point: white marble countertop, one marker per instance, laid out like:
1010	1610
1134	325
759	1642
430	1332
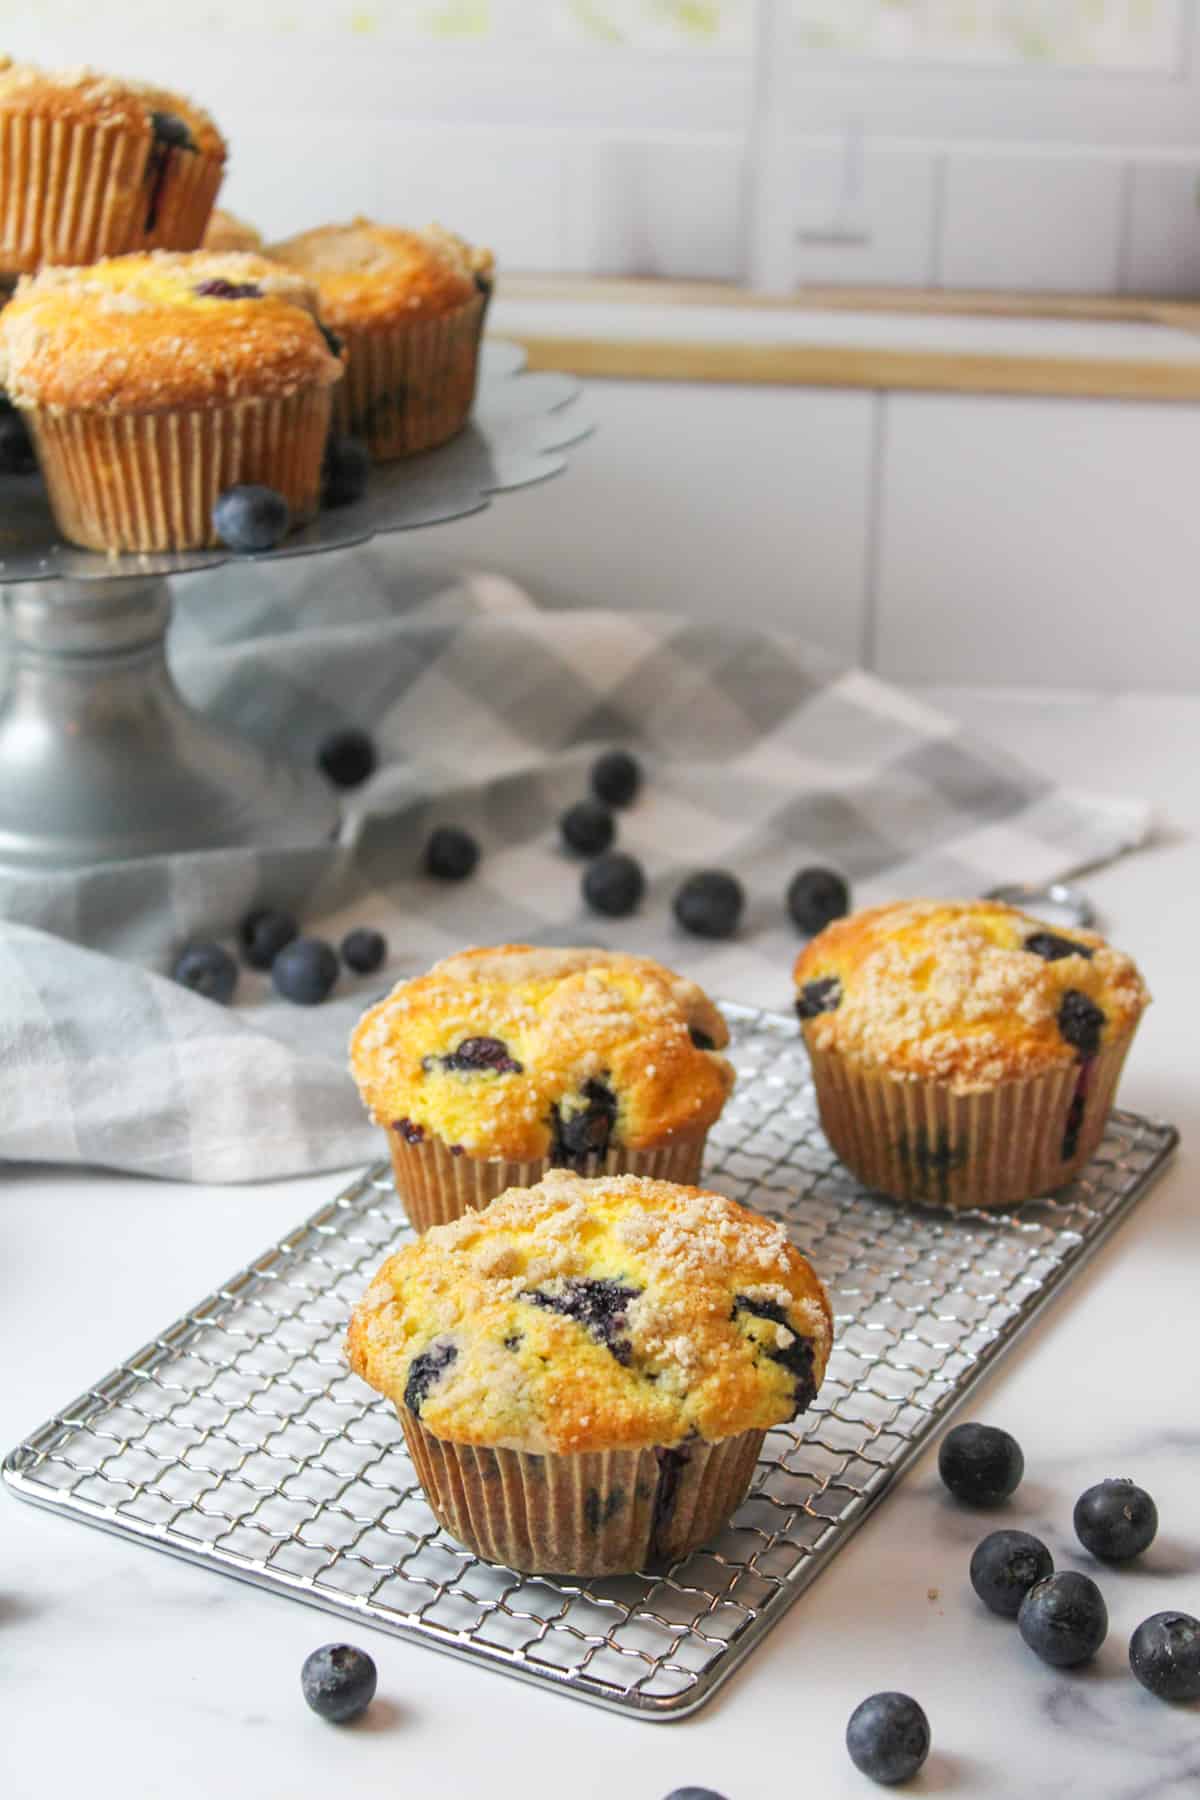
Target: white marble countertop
129	1673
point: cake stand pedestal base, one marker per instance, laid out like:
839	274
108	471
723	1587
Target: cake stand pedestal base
101	758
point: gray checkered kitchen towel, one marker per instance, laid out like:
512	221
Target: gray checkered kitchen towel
761	754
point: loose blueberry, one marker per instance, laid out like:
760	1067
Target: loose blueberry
1052	948
345	471
815	897
888	1738
587	827
424	1372
1080	1021
264	933
613	884
364	950
16	449
817	997
251	518
710	904
1164	1654
220	289
338	1682
348	758
450	854
694	1793
207	969
980	1464
1005	1565
1116	1520
170	129
616	777
1063	1619
305	971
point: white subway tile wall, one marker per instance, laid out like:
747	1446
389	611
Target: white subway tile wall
865	213
1162	245
1023	219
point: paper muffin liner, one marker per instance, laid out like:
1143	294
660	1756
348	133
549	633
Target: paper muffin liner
437	1186
149	481
72	193
411	385
588	1512
919	1141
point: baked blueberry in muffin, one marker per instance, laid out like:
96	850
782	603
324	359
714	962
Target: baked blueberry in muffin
963	1053
502	1063
585	1370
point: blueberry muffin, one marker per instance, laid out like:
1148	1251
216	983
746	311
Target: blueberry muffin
150	384
225	231
502	1063
964	1054
410	307
92	166
586	1371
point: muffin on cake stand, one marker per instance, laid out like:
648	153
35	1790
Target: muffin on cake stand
101	758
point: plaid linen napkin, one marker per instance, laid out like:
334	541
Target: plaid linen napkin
761	754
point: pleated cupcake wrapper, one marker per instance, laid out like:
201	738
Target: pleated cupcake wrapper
920	1141
149	481
437	1186
410	386
589	1512
71	193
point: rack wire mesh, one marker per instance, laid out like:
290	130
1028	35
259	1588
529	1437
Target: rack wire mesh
239	1439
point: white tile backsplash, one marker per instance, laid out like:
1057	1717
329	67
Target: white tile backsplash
1029	219
1162	253
665	206
863	213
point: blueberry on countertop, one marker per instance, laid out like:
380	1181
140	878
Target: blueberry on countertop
251	518
338	1682
263	933
694	1793
345	471
1116	1520
450	854
815	897
207	969
305	971
980	1464
710	904
348	757
364	950
587	827
616	777
16	449
1164	1654
1063	1619
888	1738
613	884
1005	1565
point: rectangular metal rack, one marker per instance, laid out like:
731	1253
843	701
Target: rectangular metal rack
239	1439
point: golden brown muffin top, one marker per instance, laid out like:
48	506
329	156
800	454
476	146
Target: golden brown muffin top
610	1314
370	274
225	231
970	992
139	333
521	1053
86	97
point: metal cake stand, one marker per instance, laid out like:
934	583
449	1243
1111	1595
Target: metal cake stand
101	759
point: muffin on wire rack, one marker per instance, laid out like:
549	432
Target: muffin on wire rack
502	1063
586	1371
150	384
93	166
964	1054
410	306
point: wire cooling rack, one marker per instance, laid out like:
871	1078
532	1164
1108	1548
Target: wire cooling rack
239	1439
